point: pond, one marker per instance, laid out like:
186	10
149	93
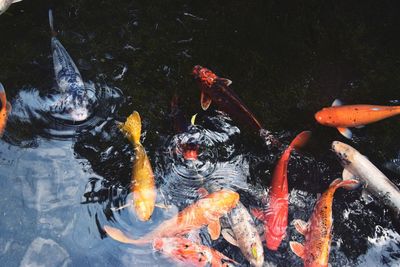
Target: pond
63	180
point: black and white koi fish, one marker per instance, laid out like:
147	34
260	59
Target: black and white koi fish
69	79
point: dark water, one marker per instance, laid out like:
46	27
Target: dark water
60	181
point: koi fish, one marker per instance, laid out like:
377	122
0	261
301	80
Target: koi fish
216	89
4	111
206	211
189	253
69	79
275	218
357	166
357	116
244	234
143	188
5	4
317	232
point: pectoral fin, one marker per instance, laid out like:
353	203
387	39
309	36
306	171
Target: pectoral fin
8	107
225	81
16	1
214	228
337	103
301	226
118	235
297	249
345	132
258	214
346	175
229	236
205	100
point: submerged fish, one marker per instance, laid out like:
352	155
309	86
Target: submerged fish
357	166
317	232
69	79
143	185
206	211
244	235
189	253
275	218
4	111
5	4
346	116
217	90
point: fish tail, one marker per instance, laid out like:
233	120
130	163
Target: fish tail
346	184
300	140
51	23
118	235
3	98
133	127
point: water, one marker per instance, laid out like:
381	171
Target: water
62	181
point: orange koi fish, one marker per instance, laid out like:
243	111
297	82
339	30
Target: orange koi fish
357	116
214	88
275	218
317	232
206	211
4	111
143	188
189	253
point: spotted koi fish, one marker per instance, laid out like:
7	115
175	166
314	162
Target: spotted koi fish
344	116
317	232
189	253
69	79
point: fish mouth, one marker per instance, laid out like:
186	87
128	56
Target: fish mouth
79	114
196	71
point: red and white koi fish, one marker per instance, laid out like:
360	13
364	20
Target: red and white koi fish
189	253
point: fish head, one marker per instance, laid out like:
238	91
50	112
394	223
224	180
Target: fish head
205	76
324	117
344	152
79	113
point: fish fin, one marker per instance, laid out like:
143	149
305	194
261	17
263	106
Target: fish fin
214	228
8	107
225	81
205	100
16	1
301	226
133	127
162	206
366	197
360	126
300	140
202	192
193	119
118	235
3	97
337	103
229	236
297	249
51	23
258	214
345	132
347	175
346	184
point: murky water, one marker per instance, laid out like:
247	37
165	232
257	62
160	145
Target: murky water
61	181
